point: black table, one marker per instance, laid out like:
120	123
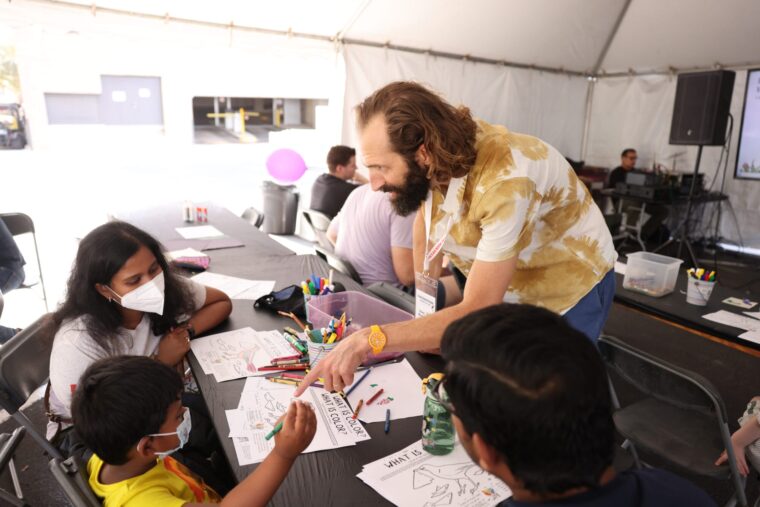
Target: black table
674	200
319	478
161	222
325	477
673	307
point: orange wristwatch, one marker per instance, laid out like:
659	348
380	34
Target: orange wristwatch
377	339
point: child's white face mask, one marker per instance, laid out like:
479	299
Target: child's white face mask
183	432
148	297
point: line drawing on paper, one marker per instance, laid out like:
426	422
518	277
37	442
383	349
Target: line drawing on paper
463	477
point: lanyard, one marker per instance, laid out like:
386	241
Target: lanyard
450	206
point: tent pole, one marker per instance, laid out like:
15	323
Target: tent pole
587	117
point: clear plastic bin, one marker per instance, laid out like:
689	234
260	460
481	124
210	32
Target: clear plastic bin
363	311
651	274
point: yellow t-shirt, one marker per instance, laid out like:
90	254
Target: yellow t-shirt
167	484
522	198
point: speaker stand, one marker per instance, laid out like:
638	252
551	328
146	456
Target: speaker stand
681	234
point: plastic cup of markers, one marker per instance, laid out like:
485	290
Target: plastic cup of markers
317	351
698	291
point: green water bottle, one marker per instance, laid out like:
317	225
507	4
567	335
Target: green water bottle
438	433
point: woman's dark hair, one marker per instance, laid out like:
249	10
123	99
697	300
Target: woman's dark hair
536	390
415	116
101	254
121	399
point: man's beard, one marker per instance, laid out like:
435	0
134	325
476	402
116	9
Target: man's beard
409	197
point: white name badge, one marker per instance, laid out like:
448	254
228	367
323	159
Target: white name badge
425	295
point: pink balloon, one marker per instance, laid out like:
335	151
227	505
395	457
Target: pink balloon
285	165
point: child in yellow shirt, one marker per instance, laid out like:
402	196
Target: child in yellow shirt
127	409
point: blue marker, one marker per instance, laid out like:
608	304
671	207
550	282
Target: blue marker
387	420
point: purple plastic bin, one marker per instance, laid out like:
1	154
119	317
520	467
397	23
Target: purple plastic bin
363	311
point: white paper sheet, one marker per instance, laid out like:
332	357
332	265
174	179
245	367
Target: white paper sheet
402	392
412	477
187	252
620	267
733	320
263	402
751	336
238	354
754	315
199	231
234	287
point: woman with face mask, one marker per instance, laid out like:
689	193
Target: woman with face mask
124	299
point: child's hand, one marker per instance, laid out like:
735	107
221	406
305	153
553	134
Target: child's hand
173	346
298	430
741	461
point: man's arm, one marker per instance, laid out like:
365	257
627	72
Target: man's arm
332	230
486	285
360	178
403	265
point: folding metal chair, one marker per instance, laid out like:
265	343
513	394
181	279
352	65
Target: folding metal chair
338	263
681	419
24	367
19	223
253	217
319	222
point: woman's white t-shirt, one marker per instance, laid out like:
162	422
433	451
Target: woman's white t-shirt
74	350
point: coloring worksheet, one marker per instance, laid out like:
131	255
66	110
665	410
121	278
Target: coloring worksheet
402	392
413	477
263	402
239	353
234	287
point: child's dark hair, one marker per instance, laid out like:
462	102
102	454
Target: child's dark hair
536	390
121	399
101	254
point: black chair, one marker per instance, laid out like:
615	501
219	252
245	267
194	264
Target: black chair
253	217
319	222
19	223
393	295
338	263
681	419
24	367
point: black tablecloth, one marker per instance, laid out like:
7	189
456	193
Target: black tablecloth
674	307
161	222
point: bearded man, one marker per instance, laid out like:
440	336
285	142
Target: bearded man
506	208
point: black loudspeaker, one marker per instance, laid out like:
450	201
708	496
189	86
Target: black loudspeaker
703	100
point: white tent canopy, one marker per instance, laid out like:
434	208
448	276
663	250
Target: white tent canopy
589	76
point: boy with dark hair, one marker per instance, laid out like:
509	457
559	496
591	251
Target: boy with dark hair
531	405
127	409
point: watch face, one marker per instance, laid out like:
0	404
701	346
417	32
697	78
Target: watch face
376	339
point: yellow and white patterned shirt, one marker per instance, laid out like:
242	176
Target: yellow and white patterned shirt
523	199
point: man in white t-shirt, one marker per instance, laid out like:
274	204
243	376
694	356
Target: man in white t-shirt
377	241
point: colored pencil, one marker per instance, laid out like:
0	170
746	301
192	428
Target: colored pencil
358	408
374	396
286	358
286	367
358	381
287	381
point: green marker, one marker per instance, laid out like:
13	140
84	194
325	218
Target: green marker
274	431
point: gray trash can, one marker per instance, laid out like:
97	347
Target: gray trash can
280	208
